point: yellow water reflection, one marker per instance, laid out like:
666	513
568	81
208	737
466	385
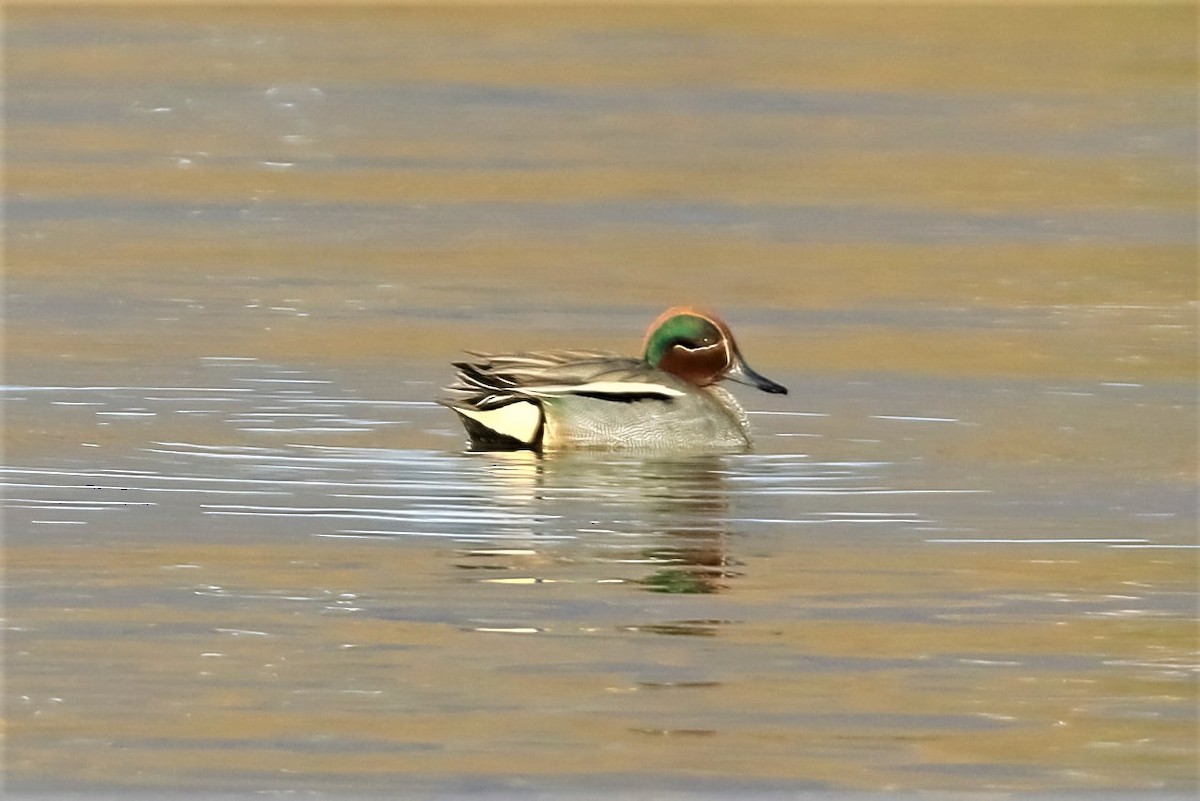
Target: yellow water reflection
288	666
244	550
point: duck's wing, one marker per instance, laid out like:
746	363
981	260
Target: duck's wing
491	381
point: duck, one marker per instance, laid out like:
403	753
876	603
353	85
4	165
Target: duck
573	399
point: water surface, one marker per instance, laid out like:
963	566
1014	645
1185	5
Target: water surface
246	551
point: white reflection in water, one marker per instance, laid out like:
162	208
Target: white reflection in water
676	516
266	463
747	550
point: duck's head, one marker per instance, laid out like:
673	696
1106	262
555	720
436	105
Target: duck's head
699	348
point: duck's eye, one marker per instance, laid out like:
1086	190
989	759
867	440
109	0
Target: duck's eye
703	343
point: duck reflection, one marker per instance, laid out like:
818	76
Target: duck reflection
669	512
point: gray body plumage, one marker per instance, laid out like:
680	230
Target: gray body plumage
703	419
590	399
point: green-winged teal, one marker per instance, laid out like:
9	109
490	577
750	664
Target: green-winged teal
564	399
